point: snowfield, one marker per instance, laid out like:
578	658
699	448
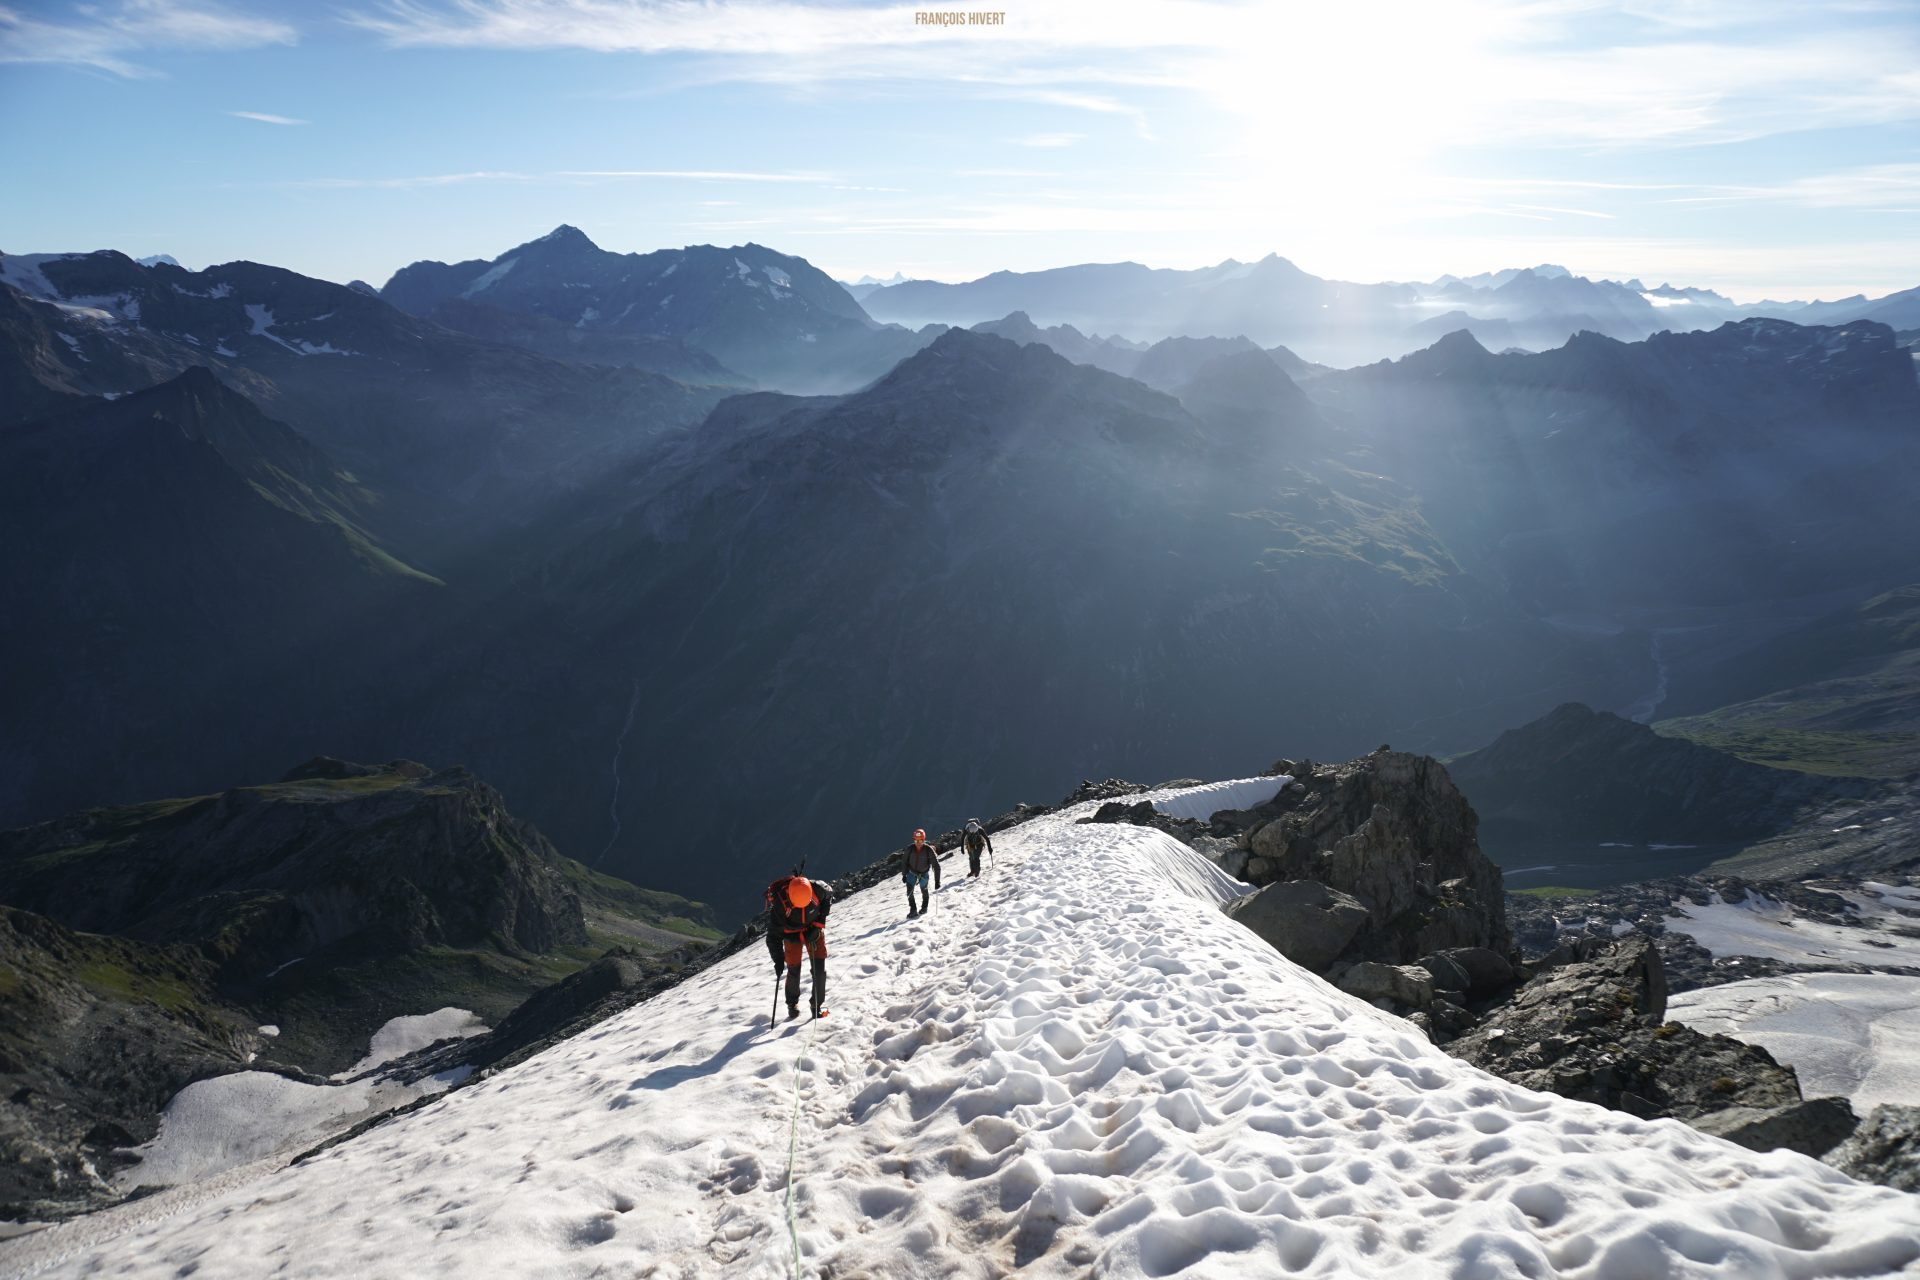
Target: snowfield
401	1036
1073	1066
216	1125
1760	926
1853	1034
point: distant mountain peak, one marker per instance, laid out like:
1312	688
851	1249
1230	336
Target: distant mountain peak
958	342
565	236
195	378
1456	352
1459	341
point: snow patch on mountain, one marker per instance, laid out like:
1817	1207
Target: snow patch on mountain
115	308
263	322
1076	1065
216	1125
221	290
1852	1034
490	277
404	1035
23	272
1203	802
1763	926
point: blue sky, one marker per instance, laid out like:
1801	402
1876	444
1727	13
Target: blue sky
1762	148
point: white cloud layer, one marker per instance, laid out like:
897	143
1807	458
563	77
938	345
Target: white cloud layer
1469	73
109	37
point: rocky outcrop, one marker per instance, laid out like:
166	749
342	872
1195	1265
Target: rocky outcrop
1487	971
1391	830
616	981
1884	1149
1110	789
96	1034
337	859
1306	921
1592	1029
1812	1128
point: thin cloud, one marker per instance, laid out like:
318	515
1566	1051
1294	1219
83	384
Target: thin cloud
1572	213
697	175
266	117
1880	188
1047	140
424	180
109	38
1405	73
563	176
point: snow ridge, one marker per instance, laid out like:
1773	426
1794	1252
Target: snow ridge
1075	1065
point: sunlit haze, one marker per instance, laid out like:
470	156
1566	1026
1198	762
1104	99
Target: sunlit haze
1762	149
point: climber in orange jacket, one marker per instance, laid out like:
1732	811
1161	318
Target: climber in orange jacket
796	918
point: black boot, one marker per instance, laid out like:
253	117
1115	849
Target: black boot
819	988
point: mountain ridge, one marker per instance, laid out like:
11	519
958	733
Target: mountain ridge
774	317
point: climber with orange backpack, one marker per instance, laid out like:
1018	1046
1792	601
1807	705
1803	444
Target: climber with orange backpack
796	919
921	858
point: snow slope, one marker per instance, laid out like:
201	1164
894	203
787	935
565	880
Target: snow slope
1074	1066
1854	1034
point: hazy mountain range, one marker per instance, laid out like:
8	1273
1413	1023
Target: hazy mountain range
528	514
1274	302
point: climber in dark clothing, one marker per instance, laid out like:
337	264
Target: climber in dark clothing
975	838
922	859
796	918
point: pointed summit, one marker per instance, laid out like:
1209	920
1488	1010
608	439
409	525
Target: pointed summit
1456	352
564	238
1460	341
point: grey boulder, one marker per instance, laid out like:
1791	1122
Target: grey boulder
1405	985
1307	922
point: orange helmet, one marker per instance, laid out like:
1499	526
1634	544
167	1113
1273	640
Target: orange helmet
799	891
919	835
